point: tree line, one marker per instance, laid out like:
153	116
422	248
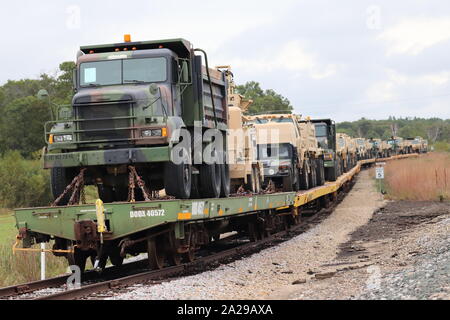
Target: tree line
435	130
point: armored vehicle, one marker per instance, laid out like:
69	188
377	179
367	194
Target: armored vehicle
364	148
347	149
245	169
142	107
418	145
398	145
289	153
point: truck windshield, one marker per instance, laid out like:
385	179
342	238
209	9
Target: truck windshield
274	151
282	120
321	130
113	72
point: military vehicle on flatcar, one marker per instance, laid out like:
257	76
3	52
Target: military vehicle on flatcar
142	104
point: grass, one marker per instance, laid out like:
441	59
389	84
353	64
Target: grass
424	178
23	266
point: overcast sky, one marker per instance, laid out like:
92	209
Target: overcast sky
339	59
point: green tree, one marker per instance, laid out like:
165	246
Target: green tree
263	100
21	125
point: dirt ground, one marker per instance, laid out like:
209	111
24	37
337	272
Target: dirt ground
403	252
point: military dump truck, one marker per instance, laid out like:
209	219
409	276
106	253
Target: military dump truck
290	159
326	137
346	147
142	108
245	169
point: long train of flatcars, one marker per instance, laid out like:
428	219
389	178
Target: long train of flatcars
125	151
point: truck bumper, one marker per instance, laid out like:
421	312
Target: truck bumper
328	164
106	157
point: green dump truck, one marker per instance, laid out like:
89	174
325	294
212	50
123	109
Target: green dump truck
151	105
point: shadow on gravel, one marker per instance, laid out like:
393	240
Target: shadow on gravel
391	221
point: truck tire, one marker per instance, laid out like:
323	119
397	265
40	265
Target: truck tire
60	178
210	180
287	182
225	180
312	174
178	179
320	172
304	181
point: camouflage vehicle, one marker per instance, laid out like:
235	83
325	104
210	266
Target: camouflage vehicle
290	157
245	169
326	137
312	149
346	147
137	104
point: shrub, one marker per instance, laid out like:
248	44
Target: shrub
24	182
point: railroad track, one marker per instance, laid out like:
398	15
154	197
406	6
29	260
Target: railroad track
93	283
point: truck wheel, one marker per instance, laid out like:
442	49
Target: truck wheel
210	180
312	175
287	182
178	179
296	176
60	178
225	180
304	181
320	172
251	184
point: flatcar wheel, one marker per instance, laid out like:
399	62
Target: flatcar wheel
115	257
155	251
175	259
77	258
189	256
252	232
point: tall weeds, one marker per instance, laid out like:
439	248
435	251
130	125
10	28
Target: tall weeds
424	178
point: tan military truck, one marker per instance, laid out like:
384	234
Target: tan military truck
399	145
363	148
290	157
346	147
419	145
245	169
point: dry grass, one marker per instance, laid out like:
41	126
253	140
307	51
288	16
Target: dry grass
424	178
23	266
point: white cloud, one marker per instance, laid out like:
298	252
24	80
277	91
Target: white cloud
396	84
291	57
413	35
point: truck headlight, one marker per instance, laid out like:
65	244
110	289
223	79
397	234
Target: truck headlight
61	138
162	132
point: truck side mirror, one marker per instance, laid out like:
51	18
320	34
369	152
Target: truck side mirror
74	79
184	72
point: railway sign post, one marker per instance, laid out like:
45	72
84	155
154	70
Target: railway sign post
42	261
379	173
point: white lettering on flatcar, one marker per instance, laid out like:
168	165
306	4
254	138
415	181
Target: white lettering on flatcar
147	213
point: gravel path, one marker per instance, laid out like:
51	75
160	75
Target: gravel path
270	273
